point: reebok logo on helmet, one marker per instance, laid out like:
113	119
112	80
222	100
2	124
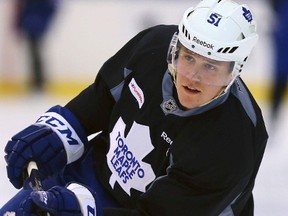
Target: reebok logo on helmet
203	43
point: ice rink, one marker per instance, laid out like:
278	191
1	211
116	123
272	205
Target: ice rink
271	190
75	50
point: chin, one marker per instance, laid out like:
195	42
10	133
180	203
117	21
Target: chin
186	106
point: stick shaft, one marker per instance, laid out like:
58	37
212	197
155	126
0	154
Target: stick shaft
34	176
36	184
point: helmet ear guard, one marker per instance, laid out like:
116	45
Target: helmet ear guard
172	50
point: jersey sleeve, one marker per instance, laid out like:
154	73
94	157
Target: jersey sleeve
94	105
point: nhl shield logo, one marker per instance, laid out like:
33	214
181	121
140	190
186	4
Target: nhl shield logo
169	106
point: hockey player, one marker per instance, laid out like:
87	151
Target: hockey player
186	139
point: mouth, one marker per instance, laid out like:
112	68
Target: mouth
191	90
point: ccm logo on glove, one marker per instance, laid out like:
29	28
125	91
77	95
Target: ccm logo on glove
72	143
56	122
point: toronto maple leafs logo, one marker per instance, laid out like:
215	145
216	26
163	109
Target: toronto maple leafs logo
247	14
125	156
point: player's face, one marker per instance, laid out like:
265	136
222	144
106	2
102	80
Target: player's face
199	79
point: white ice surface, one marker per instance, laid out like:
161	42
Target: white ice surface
271	190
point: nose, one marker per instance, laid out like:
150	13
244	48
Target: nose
193	73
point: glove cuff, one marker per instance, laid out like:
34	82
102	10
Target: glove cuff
68	129
85	198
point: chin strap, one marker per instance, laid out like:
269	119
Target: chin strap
172	72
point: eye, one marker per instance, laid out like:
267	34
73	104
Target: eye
210	67
188	57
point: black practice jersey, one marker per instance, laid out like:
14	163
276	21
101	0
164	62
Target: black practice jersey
154	157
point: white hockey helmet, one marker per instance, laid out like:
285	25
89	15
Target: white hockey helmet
222	30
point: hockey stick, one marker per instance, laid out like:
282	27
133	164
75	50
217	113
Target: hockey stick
33	173
35	180
35	183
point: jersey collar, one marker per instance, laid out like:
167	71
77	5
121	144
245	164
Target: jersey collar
171	106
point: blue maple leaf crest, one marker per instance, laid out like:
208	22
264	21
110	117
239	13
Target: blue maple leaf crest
247	14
